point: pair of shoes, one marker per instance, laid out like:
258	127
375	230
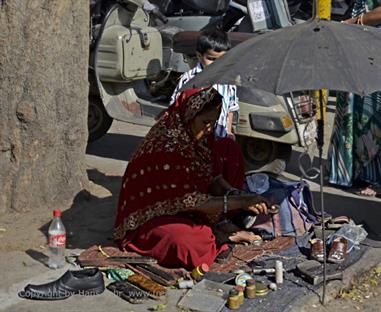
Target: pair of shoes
85	282
331	225
337	252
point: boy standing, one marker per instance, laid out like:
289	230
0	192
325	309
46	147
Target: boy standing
210	46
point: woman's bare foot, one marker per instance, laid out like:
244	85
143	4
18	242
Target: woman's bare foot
244	237
368	191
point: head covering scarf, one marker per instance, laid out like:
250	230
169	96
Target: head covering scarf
170	172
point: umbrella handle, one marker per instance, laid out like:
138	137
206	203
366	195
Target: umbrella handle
311	173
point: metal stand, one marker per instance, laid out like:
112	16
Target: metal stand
320	144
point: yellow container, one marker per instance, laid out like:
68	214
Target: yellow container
233	300
324	9
250	289
199	271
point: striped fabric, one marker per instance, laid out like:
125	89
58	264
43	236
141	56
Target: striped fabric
355	150
341	148
359	7
229	101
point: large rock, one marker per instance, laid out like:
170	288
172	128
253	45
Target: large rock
43	102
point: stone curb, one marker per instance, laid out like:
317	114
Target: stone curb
370	259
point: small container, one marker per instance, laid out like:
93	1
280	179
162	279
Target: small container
233	299
185	284
242	278
250	289
279	272
199	272
261	289
241	295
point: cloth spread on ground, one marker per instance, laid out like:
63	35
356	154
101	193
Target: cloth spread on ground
242	255
294	287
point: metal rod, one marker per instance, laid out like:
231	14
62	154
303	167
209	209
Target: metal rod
320	142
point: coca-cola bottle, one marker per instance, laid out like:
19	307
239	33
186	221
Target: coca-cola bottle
57	241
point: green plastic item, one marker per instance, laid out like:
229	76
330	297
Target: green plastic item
119	274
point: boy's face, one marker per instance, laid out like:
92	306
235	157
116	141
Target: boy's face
209	57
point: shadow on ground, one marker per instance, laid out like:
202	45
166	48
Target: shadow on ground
114	146
361	210
90	219
365	212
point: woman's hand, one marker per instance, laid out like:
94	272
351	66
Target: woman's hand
259	208
353	20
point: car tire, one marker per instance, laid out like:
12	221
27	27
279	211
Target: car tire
265	155
99	122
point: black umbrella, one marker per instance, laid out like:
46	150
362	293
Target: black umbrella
317	54
314	55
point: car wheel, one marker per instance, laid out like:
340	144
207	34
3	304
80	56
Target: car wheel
99	122
265	155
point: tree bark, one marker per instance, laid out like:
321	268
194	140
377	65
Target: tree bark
43	102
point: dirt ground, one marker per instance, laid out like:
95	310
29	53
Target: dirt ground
88	220
363	295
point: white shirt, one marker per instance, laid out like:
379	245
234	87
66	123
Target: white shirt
229	99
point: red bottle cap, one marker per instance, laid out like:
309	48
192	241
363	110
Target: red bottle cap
204	267
57	213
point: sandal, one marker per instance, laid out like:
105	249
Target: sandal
338	252
128	292
317	250
337	222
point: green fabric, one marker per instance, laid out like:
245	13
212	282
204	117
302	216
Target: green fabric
355	151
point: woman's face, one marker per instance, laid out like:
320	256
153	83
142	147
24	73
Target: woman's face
203	124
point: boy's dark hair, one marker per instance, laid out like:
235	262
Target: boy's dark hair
216	40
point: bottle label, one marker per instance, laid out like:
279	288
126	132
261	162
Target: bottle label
58	240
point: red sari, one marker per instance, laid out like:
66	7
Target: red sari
167	177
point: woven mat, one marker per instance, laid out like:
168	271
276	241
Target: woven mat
94	257
242	255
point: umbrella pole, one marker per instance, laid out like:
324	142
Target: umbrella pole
320	143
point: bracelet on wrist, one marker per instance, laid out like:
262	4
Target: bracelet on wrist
228	192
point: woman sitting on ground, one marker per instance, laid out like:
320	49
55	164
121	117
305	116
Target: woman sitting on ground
169	195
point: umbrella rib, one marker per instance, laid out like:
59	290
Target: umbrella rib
284	64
